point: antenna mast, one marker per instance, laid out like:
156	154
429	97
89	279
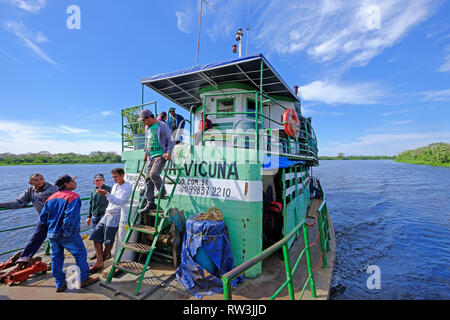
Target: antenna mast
199	29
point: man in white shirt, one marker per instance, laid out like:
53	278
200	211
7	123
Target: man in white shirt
106	229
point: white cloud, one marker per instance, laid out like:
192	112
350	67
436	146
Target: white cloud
67	129
333	94
21	138
29	39
445	67
385	144
33	6
183	22
400	122
436	95
308	112
326	30
113	134
386	114
107	113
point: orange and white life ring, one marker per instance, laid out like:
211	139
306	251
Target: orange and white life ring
291	123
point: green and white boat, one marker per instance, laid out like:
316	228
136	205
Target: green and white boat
260	150
247	159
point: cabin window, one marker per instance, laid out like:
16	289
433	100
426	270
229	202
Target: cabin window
251	107
225	105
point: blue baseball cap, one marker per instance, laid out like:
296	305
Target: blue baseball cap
99	176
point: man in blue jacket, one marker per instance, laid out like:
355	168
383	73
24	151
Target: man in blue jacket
175	121
61	215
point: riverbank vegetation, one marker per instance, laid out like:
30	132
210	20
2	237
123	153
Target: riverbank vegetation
341	156
44	157
436	154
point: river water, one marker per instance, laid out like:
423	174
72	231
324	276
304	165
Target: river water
392	215
15	181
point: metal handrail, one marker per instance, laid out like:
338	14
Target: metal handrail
128	125
322	214
134	191
308	131
34	225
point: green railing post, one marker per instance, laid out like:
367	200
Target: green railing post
308	262
122	134
226	288
287	265
203	131
322	246
256	126
283	177
47	249
327	230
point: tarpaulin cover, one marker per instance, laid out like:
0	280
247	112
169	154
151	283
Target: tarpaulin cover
271	163
212	237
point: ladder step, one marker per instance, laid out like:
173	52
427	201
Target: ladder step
153	213
175	169
132	267
162	239
137	247
171	180
144	229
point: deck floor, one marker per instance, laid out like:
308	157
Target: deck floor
160	282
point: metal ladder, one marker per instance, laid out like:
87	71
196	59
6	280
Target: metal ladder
160	217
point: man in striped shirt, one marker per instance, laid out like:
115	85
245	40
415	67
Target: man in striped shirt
38	192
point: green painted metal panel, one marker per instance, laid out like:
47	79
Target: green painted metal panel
229	179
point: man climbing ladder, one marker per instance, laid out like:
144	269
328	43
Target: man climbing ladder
159	145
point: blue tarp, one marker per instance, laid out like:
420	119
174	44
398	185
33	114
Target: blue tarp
211	238
272	162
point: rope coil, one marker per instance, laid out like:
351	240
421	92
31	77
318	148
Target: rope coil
212	213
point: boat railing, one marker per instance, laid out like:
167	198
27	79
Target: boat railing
303	145
47	250
133	137
323	237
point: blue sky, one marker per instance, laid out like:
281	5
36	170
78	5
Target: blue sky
373	89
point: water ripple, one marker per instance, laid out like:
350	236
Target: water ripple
395	216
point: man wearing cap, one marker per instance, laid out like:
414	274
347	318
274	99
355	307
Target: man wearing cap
61	214
38	192
98	202
158	149
175	121
106	230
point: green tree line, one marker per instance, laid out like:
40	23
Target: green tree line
434	154
341	156
45	157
